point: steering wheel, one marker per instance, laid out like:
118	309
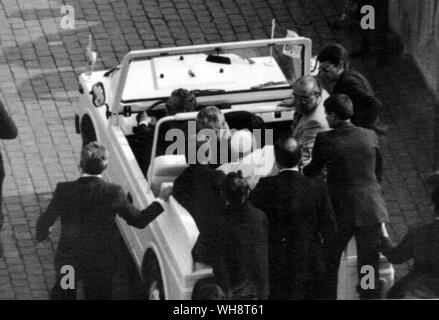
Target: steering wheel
157	103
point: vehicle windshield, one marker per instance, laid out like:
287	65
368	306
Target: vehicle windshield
212	74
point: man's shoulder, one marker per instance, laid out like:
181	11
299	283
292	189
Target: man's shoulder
66	185
100	184
327	134
351	76
366	133
269	181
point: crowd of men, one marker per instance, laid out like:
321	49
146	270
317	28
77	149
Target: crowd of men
278	237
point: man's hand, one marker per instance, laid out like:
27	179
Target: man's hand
200	266
165	193
384	230
42	237
142	118
286	103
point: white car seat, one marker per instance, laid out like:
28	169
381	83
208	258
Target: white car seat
166	168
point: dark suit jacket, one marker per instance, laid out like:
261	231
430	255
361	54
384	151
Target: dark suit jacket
87	208
353	161
198	190
421	244
243	250
301	230
8	130
366	105
141	143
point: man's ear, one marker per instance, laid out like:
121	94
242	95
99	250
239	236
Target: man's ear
319	98
105	165
341	67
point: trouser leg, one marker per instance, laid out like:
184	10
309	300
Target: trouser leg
98	283
368	240
344	235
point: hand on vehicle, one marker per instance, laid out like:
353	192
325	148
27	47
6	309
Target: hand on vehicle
384	230
200	266
143	118
165	193
286	103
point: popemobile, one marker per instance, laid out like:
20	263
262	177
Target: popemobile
249	75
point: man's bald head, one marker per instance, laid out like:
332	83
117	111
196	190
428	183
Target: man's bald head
307	93
287	152
308	83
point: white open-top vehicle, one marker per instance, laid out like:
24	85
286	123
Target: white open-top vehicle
251	75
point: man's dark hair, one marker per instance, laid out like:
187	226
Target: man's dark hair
340	105
287	151
335	54
94	158
435	199
181	100
235	188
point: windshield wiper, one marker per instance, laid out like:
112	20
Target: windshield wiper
268	84
206	92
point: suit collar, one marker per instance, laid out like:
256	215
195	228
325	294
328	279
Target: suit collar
344	125
86	179
296	169
86	175
289	172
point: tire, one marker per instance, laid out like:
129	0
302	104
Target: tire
153	282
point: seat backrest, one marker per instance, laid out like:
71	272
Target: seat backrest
166	168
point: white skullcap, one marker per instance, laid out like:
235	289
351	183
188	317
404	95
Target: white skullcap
241	142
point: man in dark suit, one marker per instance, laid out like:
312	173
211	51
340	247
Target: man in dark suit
89	241
301	226
354	167
8	130
141	142
198	190
421	244
242	243
336	71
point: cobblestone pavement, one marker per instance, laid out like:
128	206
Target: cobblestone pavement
40	62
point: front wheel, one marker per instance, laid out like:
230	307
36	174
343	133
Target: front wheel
153	280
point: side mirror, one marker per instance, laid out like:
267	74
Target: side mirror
98	94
